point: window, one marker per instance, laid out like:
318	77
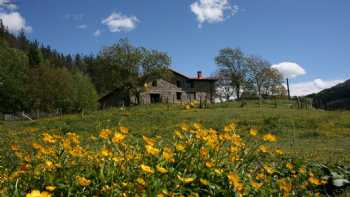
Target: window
178	95
191	84
154	83
178	84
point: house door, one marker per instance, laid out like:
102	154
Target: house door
191	96
155	98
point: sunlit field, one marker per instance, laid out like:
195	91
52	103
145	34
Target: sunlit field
173	150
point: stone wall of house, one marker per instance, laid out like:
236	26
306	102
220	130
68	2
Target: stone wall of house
187	91
167	91
201	90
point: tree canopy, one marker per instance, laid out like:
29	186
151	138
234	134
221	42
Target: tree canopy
34	77
247	75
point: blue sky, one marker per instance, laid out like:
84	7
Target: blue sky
314	34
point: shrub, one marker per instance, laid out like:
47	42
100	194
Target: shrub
85	96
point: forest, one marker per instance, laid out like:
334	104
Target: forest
34	77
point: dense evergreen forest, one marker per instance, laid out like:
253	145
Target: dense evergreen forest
337	97
34	77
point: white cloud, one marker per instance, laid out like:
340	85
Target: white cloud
117	22
213	11
97	33
14	22
74	17
7	4
289	69
82	26
309	87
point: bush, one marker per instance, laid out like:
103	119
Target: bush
13	65
85	95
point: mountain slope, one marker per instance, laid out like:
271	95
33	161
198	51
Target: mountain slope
337	97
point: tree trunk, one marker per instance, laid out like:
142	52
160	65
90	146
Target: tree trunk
138	98
238	87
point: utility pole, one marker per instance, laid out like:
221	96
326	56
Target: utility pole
288	89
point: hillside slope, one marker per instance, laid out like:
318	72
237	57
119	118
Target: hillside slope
337	97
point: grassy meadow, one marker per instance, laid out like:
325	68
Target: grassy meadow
313	134
307	134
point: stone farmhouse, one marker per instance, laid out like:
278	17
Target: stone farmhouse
177	89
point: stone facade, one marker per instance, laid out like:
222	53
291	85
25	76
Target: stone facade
162	91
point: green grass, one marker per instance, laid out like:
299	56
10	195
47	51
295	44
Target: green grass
311	134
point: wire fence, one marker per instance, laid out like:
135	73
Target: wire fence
18	116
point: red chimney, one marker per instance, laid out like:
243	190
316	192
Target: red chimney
199	75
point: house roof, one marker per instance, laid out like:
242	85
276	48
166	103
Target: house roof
108	94
194	78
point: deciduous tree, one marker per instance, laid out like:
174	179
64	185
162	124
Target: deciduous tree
232	62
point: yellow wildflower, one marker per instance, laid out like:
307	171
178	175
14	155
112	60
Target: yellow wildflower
256	185
149	141
76	151
285	186
146	169
218	171
36	146
260	176
180	147
141	181
124	130
179	134
263	148
230	127
105	133
48	138
279	151
269	169
84	182
184	127
185	179
290	166
168	155
204	181
203	152
105	152
304	185
302	170
49	164
197	126
73	137
253	132
270	138
14	147
162	170
50	188
152	150
314	180
106	188
118	138
233	149
209	164
235	158
235	182
37	193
